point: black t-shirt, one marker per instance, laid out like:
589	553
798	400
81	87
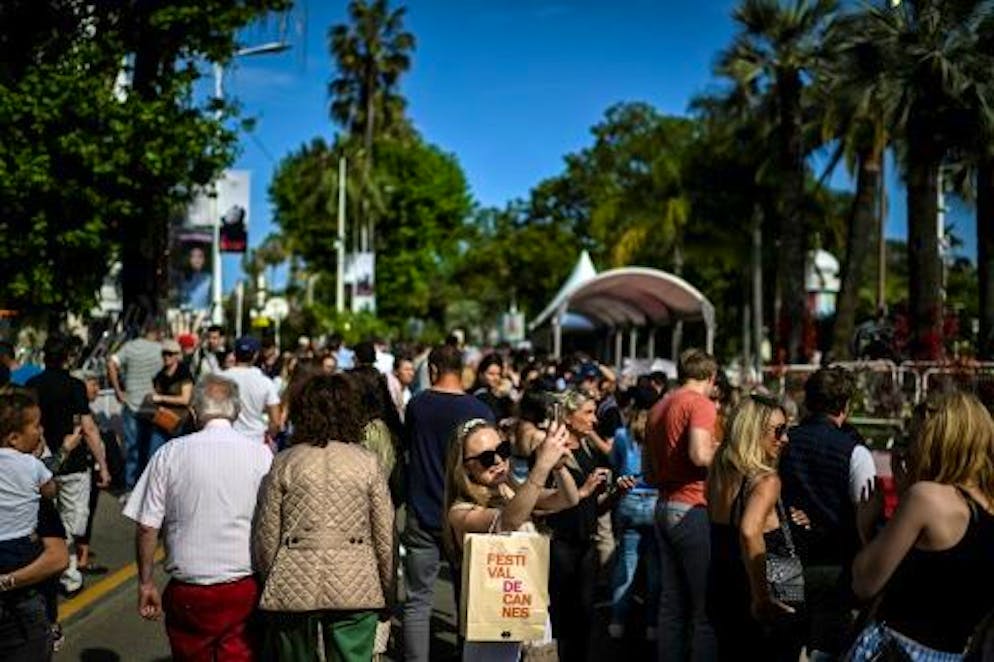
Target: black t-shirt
501	406
579	523
166	384
431	421
49	522
60	397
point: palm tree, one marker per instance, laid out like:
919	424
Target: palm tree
775	50
736	132
978	147
929	50
858	101
372	53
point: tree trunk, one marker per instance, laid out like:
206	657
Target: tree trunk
144	244
985	255
793	226
924	266
862	225
757	289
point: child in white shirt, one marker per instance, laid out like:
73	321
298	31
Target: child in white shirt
23	479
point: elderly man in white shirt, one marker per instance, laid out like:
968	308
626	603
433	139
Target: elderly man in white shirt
202	490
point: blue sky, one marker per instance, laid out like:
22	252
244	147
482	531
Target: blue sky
508	86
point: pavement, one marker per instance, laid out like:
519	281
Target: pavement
101	623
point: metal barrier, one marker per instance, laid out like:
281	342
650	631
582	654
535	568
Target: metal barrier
886	393
974	378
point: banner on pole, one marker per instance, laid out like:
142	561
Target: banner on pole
225	204
360	280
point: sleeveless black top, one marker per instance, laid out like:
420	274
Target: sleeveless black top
726	549
938	598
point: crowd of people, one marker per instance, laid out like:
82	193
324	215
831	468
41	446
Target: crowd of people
307	500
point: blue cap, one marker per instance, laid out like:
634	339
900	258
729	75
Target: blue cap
247	345
587	371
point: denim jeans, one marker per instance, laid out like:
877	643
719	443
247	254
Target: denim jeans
421	564
137	445
634	517
684	536
157	439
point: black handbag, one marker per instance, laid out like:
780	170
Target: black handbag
784	573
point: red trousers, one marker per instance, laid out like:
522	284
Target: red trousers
211	623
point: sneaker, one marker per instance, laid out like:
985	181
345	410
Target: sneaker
58	637
616	630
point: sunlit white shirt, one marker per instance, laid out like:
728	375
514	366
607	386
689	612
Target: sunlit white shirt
201	489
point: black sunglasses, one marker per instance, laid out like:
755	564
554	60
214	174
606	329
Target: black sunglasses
488	459
170	353
780	430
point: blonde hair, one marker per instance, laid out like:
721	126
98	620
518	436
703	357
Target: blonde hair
741	453
573	399
459	486
955	444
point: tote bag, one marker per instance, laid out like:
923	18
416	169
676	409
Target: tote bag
505	587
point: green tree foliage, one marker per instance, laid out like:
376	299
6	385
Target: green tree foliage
859	104
425	202
934	53
304	192
640	166
775	49
511	256
91	172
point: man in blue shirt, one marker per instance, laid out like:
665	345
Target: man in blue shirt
430	422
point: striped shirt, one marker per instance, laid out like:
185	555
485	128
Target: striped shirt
201	489
139	360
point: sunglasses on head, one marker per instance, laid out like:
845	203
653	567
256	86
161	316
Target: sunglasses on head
488	459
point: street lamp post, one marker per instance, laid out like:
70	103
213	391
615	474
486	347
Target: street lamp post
217	314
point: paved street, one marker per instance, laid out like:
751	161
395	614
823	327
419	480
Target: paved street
102	625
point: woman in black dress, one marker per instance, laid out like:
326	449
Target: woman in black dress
746	516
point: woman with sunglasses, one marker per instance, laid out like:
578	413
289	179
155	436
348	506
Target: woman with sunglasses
480	498
744	507
173	389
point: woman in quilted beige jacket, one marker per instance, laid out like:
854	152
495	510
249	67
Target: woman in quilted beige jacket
323	536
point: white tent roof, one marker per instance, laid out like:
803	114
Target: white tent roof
637	296
583	271
627	297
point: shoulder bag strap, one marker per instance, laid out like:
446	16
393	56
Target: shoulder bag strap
785	527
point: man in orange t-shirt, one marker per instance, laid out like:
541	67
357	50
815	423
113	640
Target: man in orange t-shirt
681	443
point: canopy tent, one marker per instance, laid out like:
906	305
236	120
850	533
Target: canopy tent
629	298
583	271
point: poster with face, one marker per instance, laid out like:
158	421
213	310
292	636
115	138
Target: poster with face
192	271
